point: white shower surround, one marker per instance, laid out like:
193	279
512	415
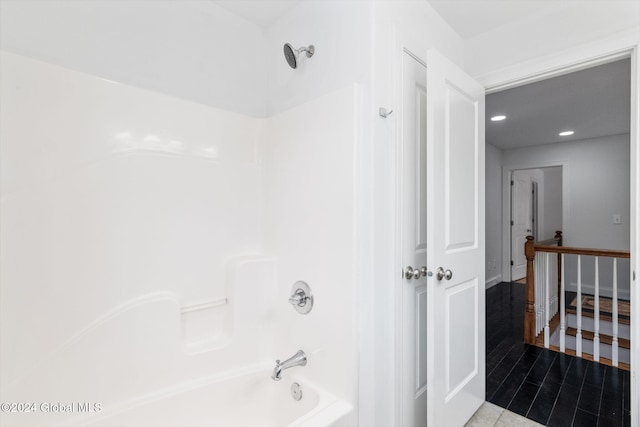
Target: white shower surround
166	236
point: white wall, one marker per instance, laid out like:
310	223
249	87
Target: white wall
315	199
341	34
595	187
493	188
310	225
549	33
190	49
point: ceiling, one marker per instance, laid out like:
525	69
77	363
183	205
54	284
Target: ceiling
467	17
594	102
470	18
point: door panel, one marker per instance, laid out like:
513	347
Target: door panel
455	242
521	217
413	335
462	364
461	192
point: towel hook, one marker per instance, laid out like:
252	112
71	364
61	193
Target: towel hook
384	113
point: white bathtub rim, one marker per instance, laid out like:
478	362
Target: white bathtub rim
324	415
326	399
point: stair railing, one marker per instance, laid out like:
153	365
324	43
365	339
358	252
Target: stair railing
542	301
545	275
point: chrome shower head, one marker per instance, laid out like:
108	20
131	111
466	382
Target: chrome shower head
291	54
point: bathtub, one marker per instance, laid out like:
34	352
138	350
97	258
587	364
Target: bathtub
248	398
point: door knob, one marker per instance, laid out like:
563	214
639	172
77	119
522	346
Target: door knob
411	272
441	273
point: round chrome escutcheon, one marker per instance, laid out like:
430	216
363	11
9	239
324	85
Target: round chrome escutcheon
296	391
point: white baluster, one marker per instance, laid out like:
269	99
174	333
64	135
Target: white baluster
579	311
596	316
538	295
554	280
547	311
562	312
614	315
535	289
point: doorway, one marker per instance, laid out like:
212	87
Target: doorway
536	210
625	185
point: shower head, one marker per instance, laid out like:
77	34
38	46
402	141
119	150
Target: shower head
291	54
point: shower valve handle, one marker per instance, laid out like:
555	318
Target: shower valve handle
299	298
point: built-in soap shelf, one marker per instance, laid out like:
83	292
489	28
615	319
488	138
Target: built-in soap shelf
205	325
204	305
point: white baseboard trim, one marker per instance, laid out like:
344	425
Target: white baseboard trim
493	281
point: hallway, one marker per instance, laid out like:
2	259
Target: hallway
550	388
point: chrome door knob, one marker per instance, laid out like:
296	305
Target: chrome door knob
441	273
425	271
411	273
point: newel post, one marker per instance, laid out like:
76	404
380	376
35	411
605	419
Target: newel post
529	314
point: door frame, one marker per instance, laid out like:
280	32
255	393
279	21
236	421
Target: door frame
507	175
582	57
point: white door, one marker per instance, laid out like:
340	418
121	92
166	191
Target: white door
455	243
413	215
521	210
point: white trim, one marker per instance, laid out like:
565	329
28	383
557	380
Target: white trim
507	172
567	61
634	231
620	45
489	283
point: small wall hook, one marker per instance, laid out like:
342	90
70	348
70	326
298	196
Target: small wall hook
384	113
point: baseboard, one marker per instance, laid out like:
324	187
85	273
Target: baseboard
493	281
623	294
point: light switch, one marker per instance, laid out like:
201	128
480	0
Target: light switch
617	219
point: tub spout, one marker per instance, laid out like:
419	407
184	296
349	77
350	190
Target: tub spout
298	359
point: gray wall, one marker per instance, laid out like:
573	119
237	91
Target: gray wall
595	186
493	244
552	208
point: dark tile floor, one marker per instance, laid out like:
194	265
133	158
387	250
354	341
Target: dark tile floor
550	388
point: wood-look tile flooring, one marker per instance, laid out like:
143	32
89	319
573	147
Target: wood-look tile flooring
550	388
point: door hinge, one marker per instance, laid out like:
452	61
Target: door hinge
511	182
512	223
511	262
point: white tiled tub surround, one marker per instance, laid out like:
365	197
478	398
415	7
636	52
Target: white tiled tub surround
133	228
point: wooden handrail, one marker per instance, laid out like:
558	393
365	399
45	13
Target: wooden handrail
552	246
582	251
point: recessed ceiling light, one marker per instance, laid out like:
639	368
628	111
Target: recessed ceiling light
566	133
498	118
